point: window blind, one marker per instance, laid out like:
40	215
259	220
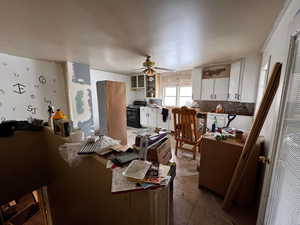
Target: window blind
180	78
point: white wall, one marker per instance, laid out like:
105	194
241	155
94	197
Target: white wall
42	80
277	47
98	75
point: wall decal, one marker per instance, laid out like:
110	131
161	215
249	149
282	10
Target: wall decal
22	92
16	74
20	88
48	101
42	79
31	109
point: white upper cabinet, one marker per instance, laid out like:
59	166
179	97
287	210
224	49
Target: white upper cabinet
196	83
240	87
249	84
235	78
244	79
207	90
221	89
215	89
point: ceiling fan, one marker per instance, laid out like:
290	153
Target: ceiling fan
150	70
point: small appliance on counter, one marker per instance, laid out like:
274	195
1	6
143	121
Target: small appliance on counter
133	114
155	101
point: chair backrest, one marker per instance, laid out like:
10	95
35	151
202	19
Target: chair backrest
185	124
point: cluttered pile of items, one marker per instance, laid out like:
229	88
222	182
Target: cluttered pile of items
219	133
146	164
57	121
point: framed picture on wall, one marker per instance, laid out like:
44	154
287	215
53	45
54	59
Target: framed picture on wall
218	71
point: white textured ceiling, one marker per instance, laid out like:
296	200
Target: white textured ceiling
115	35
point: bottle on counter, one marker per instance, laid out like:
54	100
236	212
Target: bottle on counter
214	125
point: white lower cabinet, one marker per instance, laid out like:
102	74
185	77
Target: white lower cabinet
161	123
152	117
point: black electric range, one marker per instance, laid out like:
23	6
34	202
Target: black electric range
133	114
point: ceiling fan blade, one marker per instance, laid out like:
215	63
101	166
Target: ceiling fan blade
140	68
166	69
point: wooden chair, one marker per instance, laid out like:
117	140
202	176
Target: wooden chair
185	128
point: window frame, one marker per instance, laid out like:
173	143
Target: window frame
178	95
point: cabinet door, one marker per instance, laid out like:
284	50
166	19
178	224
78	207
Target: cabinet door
151	86
134	82
234	82
207	89
221	89
250	77
152	117
160	122
196	83
144	116
141	81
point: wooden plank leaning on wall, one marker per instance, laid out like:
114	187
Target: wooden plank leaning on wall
253	135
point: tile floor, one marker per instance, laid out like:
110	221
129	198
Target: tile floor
194	206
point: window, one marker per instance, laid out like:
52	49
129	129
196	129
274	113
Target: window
178	96
170	96
185	96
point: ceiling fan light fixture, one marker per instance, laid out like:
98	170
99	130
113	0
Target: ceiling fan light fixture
149	72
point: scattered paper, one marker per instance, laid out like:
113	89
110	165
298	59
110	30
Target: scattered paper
109	164
120	183
120	148
137	169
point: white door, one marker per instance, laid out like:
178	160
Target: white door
144	116
207	89
234	83
221	89
283	205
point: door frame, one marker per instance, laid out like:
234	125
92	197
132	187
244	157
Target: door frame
269	178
